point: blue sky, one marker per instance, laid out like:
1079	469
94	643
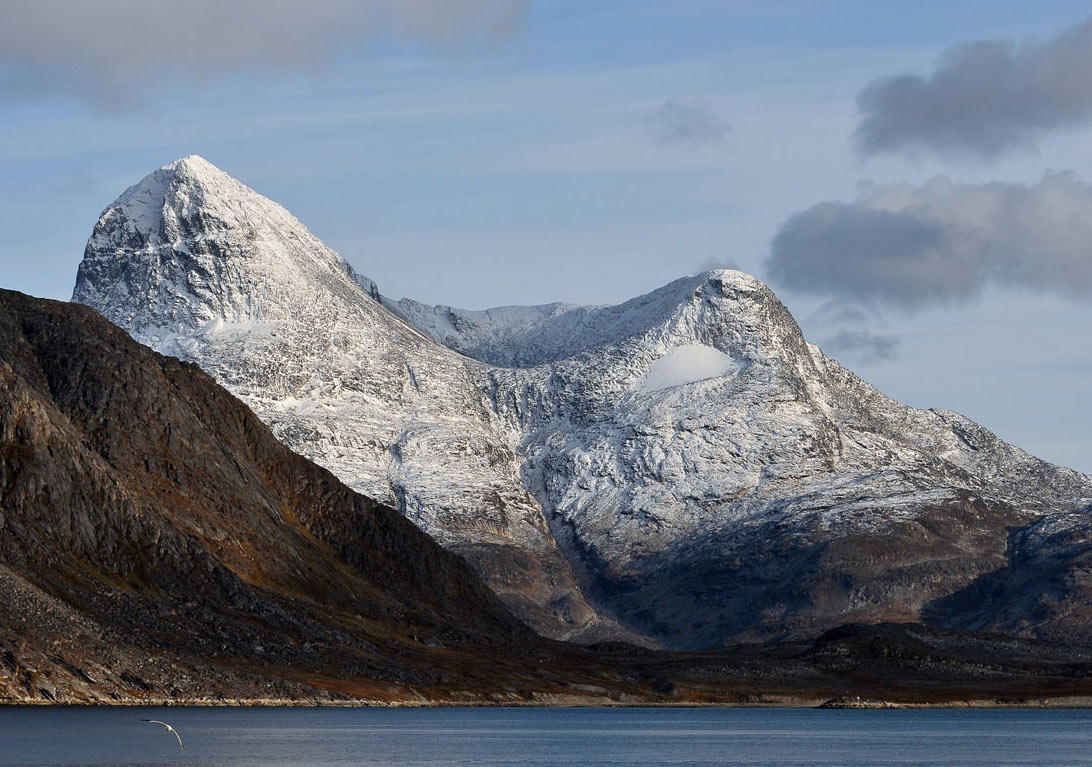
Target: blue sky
590	152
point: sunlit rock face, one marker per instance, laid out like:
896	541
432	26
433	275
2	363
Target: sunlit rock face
683	468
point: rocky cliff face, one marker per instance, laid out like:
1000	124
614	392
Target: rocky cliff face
701	471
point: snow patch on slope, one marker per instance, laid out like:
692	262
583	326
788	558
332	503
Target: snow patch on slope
686	364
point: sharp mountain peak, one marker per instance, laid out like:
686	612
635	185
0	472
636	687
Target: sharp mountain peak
189	244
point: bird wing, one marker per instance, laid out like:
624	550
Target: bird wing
177	736
169	729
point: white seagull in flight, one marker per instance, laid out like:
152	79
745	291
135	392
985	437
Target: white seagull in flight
169	729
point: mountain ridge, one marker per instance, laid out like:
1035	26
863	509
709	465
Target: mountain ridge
160	547
562	473
308	347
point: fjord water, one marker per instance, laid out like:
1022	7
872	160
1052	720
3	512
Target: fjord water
270	737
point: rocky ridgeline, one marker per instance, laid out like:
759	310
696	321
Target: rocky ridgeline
681	469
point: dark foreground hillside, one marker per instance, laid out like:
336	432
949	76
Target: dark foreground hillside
157	543
155	536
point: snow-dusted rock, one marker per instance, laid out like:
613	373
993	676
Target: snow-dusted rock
197	265
705	472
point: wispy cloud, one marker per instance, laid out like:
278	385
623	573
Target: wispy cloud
711	264
941	243
108	52
983	99
862	345
685	122
847	333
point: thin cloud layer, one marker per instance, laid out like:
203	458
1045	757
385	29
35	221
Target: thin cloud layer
110	51
983	99
685	122
941	243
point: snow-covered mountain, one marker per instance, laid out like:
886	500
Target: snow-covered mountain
196	265
701	471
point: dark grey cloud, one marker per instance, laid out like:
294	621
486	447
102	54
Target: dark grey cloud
983	98
685	122
846	332
109	52
941	243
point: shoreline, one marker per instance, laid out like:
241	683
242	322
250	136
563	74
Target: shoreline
562	702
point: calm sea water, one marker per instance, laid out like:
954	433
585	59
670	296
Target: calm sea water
587	737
